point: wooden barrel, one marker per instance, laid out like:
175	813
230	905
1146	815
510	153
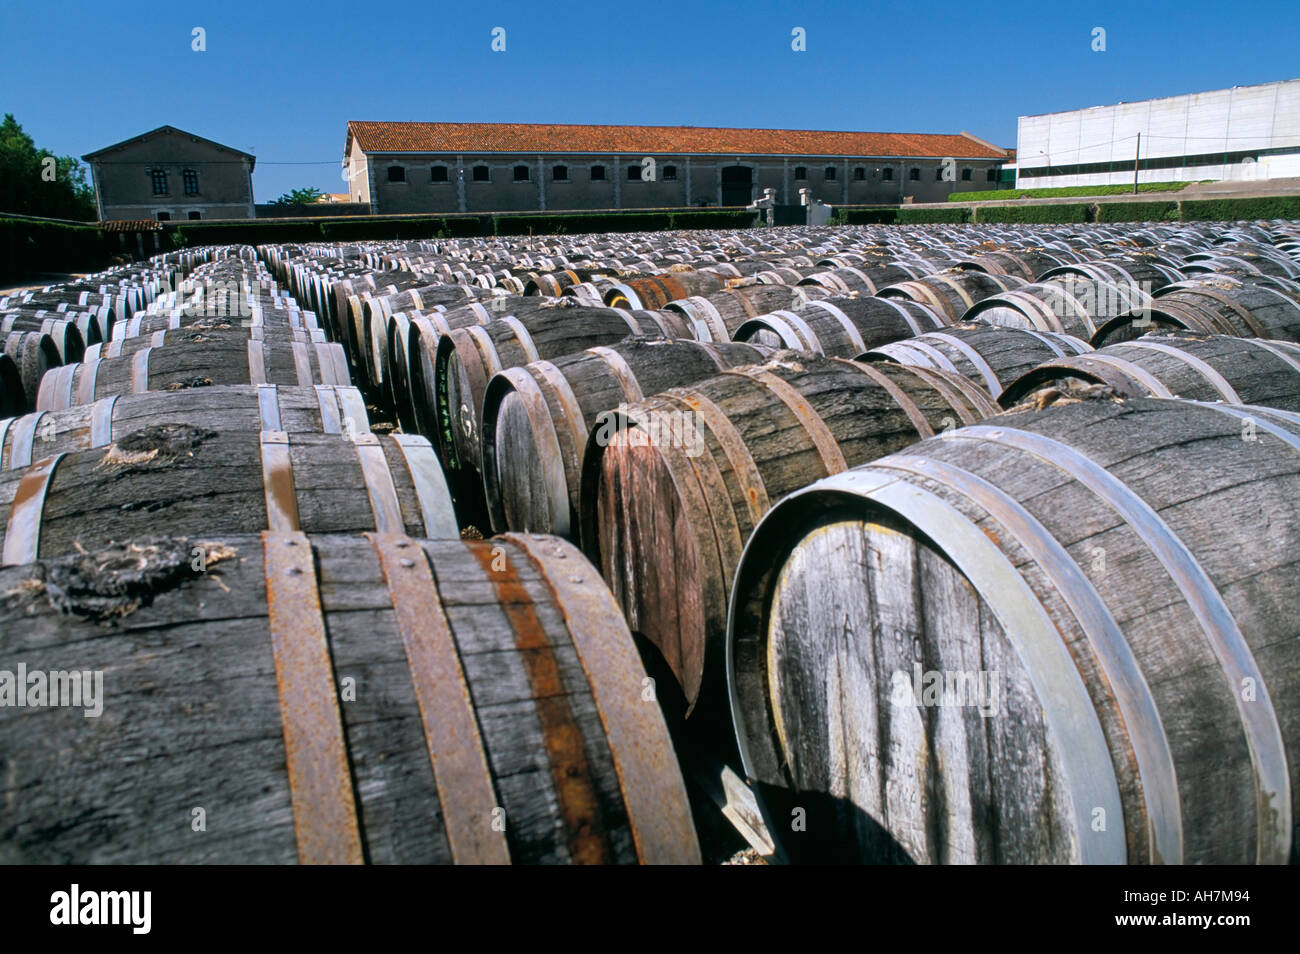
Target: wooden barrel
287	324
1145	274
1073	309
33	353
63	332
993	356
177	360
672	486
1024	263
320	410
335	699
92	324
716	317
536	420
1247	310
654	291
467	358
1060	636
842	327
193	480
952	293
1185	365
861	279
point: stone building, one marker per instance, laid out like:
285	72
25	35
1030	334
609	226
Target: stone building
171	174
403	167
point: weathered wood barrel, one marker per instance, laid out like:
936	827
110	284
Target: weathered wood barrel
553	284
863	279
65	334
993	356
1066	305
467	358
287	324
320	410
716	317
177	360
842	327
672	486
1142	274
195	480
1246	309
1185	365
654	291
1026	263
1064	635
33	353
536	420
384	699
952	293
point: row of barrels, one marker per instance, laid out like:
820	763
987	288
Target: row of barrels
202	514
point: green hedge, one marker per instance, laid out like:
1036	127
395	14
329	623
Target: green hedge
1137	211
361	229
888	216
715	219
1037	214
1062	192
28	247
908	216
251	232
1228	210
657	221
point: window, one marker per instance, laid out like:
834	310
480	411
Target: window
396	173
914	174
800	173
481	174
991	175
164	216
521	173
560	173
938	174
860	174
965	175
597	172
159	177
830	173
887	174
196	215
634	173
670	172
438	174
191	179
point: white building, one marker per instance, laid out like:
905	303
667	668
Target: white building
1247	132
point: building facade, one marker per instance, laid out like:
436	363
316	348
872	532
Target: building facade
400	167
171	174
1247	132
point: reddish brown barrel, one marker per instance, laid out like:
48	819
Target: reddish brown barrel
386	700
954	292
655	291
672	486
1058	636
537	419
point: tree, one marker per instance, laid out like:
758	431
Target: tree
37	182
300	197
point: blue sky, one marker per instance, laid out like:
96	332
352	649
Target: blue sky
281	79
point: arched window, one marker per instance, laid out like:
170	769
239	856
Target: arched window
830	173
396	173
887	174
438	174
914	174
800	173
481	174
560	173
521	173
597	172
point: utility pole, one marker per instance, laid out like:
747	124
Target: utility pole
1137	152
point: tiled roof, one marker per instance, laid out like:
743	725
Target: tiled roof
649	140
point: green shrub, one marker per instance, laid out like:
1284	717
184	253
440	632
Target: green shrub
887	216
1061	192
1137	211
28	247
1231	210
716	219
1039	214
908	216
